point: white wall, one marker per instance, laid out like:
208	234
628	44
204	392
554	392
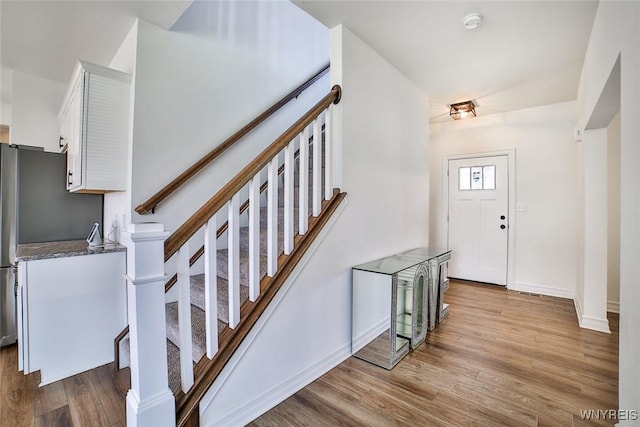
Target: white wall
616	32
36	102
386	177
193	91
545	235
613	215
117	205
580	224
6	95
591	301
5	114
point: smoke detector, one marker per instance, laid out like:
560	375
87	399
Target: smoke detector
472	20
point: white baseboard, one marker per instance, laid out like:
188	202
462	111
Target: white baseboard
595	324
613	307
249	411
289	386
590	322
370	335
542	290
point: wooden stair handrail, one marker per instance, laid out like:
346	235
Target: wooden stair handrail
187	403
151	204
224	227
217	202
194	258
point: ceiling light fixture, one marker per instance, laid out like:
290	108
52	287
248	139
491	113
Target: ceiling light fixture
472	20
462	110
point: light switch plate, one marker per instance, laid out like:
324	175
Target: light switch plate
577	134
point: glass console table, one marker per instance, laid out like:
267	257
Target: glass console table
396	300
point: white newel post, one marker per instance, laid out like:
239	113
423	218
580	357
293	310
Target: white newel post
150	402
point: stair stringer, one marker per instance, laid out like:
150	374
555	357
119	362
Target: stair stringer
245	411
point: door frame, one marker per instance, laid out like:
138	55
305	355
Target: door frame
511	202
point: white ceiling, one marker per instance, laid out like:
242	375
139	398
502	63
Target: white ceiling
46	38
525	53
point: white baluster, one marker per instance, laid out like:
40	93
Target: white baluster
288	196
272	217
211	285
317	168
254	238
303	171
184	318
328	153
233	233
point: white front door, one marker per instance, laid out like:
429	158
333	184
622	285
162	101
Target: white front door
478	219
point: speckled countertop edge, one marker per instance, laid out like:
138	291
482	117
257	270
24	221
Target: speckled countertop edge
68	248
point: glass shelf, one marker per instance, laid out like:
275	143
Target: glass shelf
394	303
396	263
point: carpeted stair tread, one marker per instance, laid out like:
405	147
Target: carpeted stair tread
198	326
173	361
198	287
197	295
223	266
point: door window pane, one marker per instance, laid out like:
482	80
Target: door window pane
476	178
464	178
489	177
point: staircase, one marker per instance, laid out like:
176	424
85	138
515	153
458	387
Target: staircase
247	259
197	288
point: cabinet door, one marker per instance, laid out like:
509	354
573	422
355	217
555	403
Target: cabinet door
75	136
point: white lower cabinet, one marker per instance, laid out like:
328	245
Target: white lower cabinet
69	311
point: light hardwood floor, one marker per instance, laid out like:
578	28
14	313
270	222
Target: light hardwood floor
500	358
93	398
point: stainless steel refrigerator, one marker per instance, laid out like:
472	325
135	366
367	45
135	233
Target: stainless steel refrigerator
35	207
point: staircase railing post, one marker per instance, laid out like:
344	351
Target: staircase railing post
150	402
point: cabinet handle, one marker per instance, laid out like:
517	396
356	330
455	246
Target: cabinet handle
69	178
60	142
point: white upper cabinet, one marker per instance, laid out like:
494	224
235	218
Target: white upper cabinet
93	129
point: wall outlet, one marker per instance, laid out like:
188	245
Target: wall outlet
114	231
118	225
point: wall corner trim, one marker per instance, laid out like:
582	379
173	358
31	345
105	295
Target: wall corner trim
594	323
590	322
